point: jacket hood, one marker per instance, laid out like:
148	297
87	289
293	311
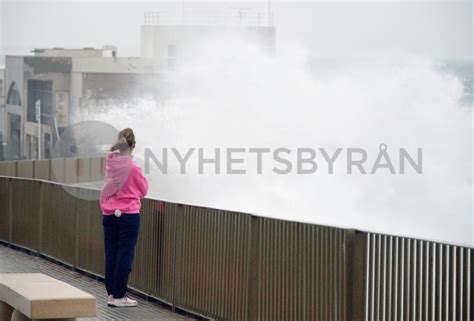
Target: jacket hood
117	170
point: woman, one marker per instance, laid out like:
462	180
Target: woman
120	201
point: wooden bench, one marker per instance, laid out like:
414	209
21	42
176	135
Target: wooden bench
32	296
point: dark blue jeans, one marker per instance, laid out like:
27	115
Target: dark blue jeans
120	239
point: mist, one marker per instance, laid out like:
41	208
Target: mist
239	96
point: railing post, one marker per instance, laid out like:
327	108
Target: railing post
356	247
76	231
41	211
10	211
177	240
252	286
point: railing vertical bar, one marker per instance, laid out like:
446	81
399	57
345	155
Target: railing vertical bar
408	281
312	297
341	286
377	276
265	262
390	278
304	239
367	279
395	304
282	287
76	229
454	270
440	289
461	283
41	211
415	280
468	290
402	278
326	270
427	276
447	284
433	283
426	288
279	288
384	269
322	263
373	278
357	277
269	274
319	274
10	203
332	287
420	282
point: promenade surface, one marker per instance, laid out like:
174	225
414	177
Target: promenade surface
19	262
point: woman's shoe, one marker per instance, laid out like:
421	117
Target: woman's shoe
110	299
123	302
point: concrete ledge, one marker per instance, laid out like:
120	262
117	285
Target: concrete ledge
38	296
18	316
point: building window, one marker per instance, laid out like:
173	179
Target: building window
14	137
47	145
13	96
41	90
28	146
62	108
36	147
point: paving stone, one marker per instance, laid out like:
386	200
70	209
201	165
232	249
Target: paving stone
13	261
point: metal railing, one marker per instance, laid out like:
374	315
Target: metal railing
236	266
417	280
61	170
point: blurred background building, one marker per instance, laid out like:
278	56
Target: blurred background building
170	39
57	82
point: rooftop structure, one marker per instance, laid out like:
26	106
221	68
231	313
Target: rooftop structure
106	51
170	39
235	16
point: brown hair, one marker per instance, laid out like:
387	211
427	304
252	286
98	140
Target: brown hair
125	140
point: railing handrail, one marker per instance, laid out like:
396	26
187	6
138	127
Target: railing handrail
78	185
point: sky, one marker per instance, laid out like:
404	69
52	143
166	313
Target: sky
327	29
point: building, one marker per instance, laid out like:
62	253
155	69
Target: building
60	81
170	40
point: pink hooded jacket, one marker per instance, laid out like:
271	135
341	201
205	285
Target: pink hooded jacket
125	186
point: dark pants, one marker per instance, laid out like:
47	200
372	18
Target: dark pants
120	238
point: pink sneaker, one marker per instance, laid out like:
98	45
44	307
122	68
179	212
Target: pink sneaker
123	302
110	299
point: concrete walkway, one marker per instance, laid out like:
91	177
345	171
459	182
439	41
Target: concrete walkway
19	262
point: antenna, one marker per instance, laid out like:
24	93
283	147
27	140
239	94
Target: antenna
241	13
